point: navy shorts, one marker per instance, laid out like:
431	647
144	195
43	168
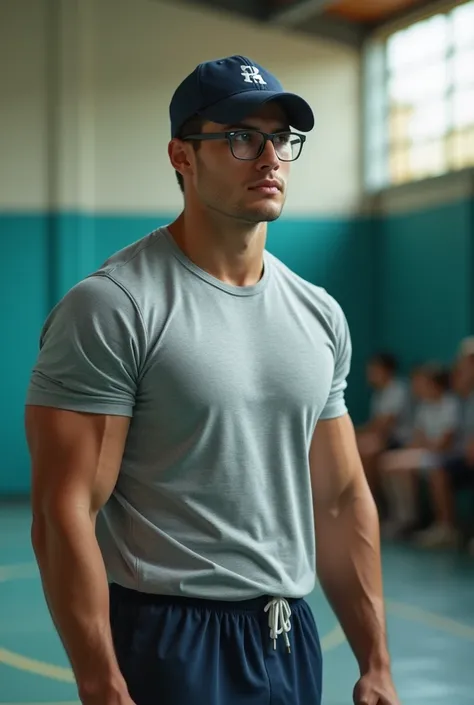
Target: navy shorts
180	651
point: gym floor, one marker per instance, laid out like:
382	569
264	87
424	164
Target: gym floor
430	612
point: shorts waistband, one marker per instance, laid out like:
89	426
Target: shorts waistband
255	605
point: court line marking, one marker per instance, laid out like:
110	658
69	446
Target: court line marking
333	639
430	619
38	668
17	571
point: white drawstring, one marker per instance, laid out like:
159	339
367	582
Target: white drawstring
279	614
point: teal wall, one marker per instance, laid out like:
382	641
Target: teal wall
424	282
24	297
45	255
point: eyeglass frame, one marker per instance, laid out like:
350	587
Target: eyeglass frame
267	136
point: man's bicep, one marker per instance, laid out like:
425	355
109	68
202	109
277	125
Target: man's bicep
92	349
75	457
334	458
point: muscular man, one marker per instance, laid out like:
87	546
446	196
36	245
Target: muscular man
193	458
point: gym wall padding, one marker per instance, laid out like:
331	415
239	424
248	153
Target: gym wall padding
425	266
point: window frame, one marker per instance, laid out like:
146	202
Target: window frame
377	175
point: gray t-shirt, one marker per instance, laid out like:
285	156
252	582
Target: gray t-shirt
224	385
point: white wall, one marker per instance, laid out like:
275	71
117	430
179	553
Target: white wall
23	105
112	66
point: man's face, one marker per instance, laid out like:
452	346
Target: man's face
250	191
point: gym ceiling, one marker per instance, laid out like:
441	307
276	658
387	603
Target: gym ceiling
346	21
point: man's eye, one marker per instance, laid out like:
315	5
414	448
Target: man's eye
243	136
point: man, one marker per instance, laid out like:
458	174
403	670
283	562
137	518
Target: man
187	408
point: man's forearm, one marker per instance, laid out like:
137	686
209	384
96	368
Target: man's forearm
76	590
349	569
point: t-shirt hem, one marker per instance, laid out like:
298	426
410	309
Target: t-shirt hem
333	412
92	406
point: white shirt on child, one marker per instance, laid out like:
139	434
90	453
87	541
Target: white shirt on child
435	418
393	400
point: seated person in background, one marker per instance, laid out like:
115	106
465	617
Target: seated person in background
436	425
457	471
387	426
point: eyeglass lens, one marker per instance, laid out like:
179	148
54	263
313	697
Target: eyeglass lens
248	145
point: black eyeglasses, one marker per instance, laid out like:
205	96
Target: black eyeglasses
249	144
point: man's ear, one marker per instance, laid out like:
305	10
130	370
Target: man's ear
179	156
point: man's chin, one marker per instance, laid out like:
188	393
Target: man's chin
264	213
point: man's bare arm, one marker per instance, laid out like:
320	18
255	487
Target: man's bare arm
348	543
75	462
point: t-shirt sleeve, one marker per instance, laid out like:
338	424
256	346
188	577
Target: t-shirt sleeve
336	403
92	348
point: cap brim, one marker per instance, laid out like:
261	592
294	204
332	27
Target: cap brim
239	106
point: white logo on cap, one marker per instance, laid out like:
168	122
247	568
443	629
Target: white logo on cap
252	73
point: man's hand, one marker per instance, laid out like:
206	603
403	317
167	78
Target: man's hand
108	698
375	688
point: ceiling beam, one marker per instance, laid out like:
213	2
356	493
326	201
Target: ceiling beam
419	9
298	12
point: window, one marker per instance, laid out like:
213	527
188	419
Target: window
419	100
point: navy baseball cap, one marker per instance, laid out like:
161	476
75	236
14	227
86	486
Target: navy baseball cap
228	90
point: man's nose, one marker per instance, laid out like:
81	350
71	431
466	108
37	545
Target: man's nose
268	158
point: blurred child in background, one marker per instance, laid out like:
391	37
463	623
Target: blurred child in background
458	470
389	412
435	431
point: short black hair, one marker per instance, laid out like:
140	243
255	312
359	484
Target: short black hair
438	374
192	126
385	360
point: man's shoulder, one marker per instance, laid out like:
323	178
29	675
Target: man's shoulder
134	258
134	270
119	283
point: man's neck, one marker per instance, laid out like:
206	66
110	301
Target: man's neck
228	249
